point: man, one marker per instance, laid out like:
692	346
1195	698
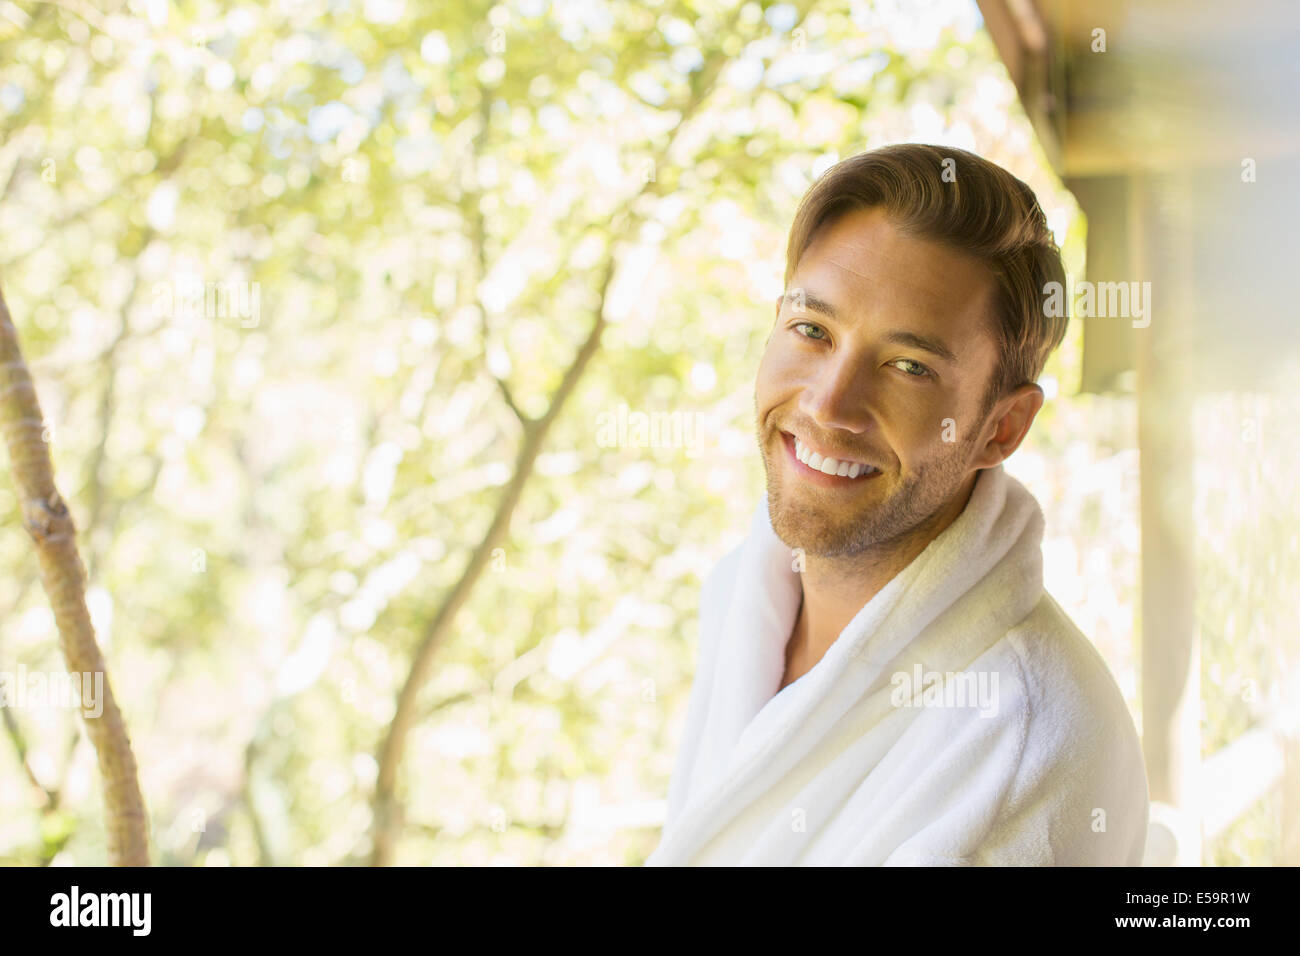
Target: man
882	678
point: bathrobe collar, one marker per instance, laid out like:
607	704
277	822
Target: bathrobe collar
988	559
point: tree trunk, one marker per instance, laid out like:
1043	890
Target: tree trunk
46	517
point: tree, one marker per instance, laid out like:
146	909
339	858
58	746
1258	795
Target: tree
47	519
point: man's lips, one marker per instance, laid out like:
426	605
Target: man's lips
817	476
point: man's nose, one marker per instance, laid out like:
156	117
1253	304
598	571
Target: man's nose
838	395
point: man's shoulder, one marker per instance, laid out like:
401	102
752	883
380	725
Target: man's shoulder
1057	691
1077	720
1057	659
1081	754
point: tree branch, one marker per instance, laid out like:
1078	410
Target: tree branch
386	809
50	524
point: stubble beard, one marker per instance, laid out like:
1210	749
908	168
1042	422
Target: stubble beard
807	519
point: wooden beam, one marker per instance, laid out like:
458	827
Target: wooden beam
1024	38
1171	660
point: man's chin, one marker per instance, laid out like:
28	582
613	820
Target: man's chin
814	534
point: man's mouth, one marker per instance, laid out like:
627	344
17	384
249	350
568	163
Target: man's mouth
819	468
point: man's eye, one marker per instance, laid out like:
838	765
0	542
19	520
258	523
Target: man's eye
920	370
820	333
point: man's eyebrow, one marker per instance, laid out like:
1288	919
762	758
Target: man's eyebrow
925	343
814	303
811	302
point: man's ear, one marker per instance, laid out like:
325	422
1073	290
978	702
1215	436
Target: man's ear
1011	417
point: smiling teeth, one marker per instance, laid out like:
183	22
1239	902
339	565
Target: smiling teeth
829	466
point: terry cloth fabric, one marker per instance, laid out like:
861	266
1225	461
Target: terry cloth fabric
867	759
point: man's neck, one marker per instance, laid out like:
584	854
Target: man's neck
835	589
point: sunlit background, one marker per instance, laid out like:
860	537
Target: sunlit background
282	269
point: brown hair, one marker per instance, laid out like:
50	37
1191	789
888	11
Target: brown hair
983	210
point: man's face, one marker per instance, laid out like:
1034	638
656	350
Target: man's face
867	385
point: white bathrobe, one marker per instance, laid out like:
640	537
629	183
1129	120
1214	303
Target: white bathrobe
1025	754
